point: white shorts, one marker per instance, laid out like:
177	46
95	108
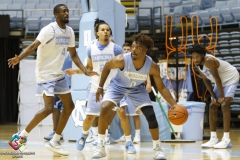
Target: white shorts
229	91
59	86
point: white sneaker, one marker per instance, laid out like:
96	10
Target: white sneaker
121	139
90	137
57	148
99	153
158	153
136	139
225	143
210	143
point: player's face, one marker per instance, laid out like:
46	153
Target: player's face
63	14
197	58
138	51
126	49
103	32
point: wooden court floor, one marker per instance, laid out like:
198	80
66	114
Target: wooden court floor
174	151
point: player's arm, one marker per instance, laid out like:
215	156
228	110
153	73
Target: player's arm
212	64
148	84
116	62
71	71
77	61
155	72
26	52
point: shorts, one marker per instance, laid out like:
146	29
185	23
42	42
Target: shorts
59	86
138	95
93	107
130	108
58	103
229	91
88	90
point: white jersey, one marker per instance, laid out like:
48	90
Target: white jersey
52	50
99	58
227	73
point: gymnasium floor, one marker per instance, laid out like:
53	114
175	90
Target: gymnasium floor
174	151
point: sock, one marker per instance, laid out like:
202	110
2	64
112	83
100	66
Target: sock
101	140
213	134
95	131
226	135
56	137
24	133
128	138
156	143
137	132
84	132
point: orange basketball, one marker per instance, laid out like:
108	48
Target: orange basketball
178	115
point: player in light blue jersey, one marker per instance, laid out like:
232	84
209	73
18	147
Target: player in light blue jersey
226	79
52	44
132	71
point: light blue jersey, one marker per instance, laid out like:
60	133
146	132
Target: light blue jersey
129	76
130	82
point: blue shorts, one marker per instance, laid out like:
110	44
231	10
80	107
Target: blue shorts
229	91
93	107
58	103
130	108
59	86
138	95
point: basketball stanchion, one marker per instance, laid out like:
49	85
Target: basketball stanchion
177	138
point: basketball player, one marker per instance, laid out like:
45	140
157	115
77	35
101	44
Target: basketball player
126	47
132	71
52	44
226	79
99	52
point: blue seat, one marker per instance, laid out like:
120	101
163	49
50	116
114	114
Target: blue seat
226	11
32	1
18	1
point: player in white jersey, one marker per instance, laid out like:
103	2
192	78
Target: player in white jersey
226	78
99	52
132	71
52	44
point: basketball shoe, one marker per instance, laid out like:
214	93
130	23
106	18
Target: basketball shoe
136	139
158	153
50	136
99	153
81	142
210	143
225	143
56	147
121	139
130	148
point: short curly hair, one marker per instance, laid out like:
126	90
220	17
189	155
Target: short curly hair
198	49
143	39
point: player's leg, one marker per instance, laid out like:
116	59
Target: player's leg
58	106
124	119
93	110
229	92
137	124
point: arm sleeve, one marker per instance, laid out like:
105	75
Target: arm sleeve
117	50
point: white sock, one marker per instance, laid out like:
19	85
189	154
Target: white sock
84	132
56	137
137	132
128	138
226	135
213	135
24	133
156	143
101	139
95	131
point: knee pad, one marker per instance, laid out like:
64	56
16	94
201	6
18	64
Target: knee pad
150	116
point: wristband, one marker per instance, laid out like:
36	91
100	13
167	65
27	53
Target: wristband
100	87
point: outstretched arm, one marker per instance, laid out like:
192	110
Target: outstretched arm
26	52
77	61
155	72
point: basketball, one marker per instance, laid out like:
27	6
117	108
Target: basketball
178	115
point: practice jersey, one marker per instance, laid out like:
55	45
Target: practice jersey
100	54
227	73
52	51
129	76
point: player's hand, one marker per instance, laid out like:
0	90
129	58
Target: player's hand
98	94
13	61
70	71
214	102
176	105
91	73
